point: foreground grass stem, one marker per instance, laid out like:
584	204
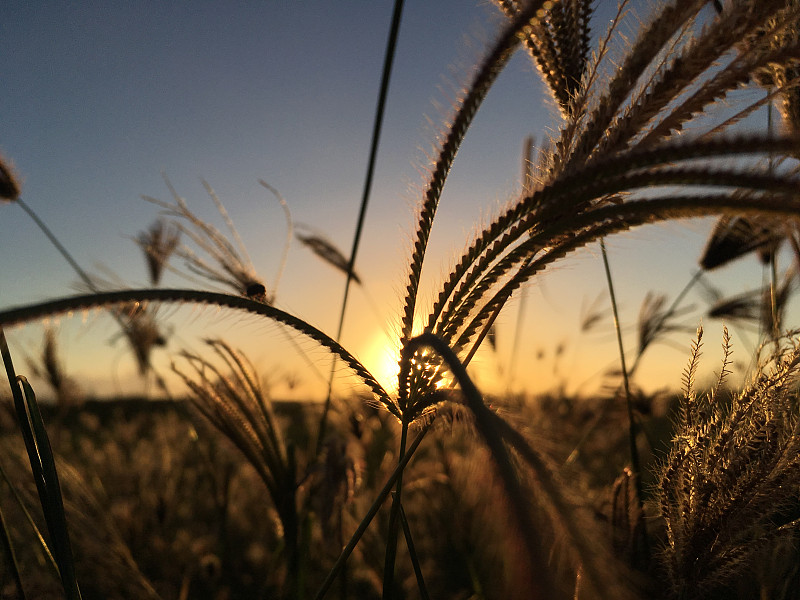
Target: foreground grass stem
423	590
373	510
394	522
391	45
44	471
634	452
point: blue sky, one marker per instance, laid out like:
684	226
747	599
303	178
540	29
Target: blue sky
100	98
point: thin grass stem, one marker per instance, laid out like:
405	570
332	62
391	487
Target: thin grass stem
423	590
634	452
394	523
58	245
373	510
391	45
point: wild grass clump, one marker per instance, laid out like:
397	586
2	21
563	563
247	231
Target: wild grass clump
436	490
728	488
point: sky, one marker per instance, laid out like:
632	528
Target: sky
103	98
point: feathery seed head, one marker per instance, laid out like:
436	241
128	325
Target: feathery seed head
325	250
229	262
734	237
158	243
10	186
730	475
230	396
143	334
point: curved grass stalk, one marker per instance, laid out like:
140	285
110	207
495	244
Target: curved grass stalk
575	191
87	301
700	52
591	225
468	106
644	50
562	510
495	431
475	283
544	587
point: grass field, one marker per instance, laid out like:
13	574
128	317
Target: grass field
157	500
434	489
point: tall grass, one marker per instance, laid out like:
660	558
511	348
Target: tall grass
724	492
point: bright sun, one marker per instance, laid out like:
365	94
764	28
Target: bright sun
382	359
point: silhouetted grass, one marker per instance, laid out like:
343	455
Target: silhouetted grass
227	493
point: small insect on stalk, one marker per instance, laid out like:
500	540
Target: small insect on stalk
224	262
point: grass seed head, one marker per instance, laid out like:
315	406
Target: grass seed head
158	243
10	185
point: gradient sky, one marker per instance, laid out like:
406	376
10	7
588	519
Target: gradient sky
100	97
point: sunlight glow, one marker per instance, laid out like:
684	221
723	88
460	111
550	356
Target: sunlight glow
383	360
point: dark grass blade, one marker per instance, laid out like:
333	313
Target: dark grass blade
542	584
496	432
43	466
50	493
39	537
391	46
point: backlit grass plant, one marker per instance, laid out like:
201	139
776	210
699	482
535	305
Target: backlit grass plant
619	158
728	487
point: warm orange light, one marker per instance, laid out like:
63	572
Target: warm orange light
382	359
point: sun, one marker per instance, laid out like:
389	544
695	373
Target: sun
382	359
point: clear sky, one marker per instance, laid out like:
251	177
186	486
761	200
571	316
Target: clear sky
100	97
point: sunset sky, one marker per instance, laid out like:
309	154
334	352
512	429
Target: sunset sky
100	98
